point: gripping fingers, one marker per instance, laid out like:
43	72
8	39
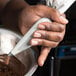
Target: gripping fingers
48	35
43	42
55	27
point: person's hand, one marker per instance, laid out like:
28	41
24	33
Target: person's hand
49	35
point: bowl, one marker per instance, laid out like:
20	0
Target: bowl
21	64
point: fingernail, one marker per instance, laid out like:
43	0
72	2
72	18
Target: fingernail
41	26
64	19
42	63
37	34
33	42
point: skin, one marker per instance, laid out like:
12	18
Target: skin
48	35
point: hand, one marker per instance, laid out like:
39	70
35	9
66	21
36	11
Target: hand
49	34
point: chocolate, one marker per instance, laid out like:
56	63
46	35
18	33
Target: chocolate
10	66
17	65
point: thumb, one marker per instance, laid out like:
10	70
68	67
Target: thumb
56	16
51	13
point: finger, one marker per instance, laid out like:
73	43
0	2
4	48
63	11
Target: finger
55	27
47	35
43	42
43	55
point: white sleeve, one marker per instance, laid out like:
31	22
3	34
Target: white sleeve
7	43
61	5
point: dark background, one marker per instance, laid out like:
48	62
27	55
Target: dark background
70	36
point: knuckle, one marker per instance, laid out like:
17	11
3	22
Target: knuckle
55	44
62	27
49	26
59	37
42	42
54	10
46	35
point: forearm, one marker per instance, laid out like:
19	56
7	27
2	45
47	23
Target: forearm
3	3
10	12
16	4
